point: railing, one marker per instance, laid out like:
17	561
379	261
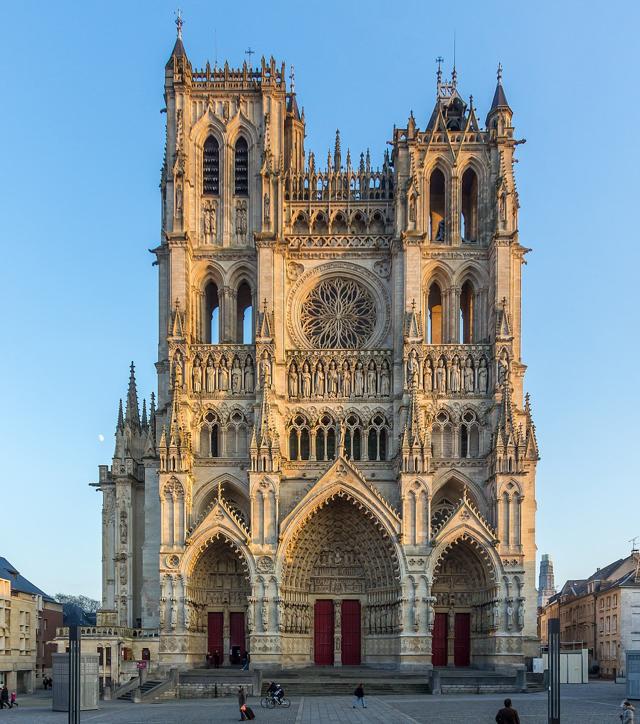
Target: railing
339	185
339	241
339	375
222	370
106	631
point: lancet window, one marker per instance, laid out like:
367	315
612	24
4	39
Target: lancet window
210	436
211	314
437	207
353	438
236	435
442	436
469	206
211	167
377	438
241	167
434	314
299	439
244	314
467	313
325	435
469	435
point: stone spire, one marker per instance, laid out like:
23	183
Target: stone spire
120	422
337	153
132	411
499	104
178	51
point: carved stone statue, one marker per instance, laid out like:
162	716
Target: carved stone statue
509	614
197	375
250	615
346	379
372	379
503	367
455	375
224	376
520	613
359	380
482	376
385	379
249	381
174	613
177	372
209	221
123	527
495	615
241	220
427	381
293	380
441	376
265	614
267	208
306	380
468	376
412	370
236	377
318	380
161	612
265	370
210	376
179	199
332	380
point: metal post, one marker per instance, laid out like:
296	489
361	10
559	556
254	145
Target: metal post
554	671
74	675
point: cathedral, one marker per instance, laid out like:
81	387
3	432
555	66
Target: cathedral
339	467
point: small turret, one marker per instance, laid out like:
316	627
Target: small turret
500	113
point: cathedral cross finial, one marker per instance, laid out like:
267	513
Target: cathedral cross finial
499	74
439	61
179	22
249	52
292	80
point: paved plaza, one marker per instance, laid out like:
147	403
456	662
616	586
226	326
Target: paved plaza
595	703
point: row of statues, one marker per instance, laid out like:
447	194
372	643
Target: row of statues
212	376
210	222
456	377
334	380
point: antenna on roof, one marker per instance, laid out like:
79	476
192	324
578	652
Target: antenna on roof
215	48
634	547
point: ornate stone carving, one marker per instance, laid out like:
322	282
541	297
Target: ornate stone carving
264	564
294	270
338	313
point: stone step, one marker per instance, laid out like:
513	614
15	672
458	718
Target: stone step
147	686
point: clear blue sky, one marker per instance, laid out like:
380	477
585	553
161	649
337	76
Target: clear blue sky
82	141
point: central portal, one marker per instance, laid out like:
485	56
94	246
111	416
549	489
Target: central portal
347	627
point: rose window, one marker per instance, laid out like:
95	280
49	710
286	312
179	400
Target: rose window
338	313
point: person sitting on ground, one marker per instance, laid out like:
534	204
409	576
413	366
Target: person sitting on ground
507	715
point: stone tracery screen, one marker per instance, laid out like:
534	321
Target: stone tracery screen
338	313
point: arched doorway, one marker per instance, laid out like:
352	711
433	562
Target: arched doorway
217	592
465	591
340	588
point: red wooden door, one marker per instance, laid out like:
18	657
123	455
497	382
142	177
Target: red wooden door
323	633
351	633
236	626
462	639
216	642
439	640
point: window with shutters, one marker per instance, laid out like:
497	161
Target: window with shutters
211	167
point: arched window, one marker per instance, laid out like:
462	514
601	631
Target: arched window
211	331
466	313
434	314
469	206
353	438
241	159
244	314
325	439
211	167
442	436
469	435
236	443
358	224
210	436
437	206
299	448
377	439
339	224
320	224
377	224
300	225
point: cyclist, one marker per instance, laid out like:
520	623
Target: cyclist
276	692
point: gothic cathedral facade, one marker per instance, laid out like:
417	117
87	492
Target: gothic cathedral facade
340	467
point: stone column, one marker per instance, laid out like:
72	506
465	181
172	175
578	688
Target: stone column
337	631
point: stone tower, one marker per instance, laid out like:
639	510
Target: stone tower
546	581
341	466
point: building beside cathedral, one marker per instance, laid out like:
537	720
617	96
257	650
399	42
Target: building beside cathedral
352	481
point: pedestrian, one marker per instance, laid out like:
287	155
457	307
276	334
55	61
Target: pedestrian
245	661
4	697
358	696
627	716
216	658
242	702
208	659
13	700
507	715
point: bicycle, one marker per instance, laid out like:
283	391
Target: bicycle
269	702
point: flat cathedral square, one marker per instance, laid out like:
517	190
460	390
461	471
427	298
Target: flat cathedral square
340	466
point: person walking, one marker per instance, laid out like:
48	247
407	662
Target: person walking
216	659
358	696
246	661
13	701
4	697
242	703
627	716
507	715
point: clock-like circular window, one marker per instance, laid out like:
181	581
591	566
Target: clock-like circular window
338	313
